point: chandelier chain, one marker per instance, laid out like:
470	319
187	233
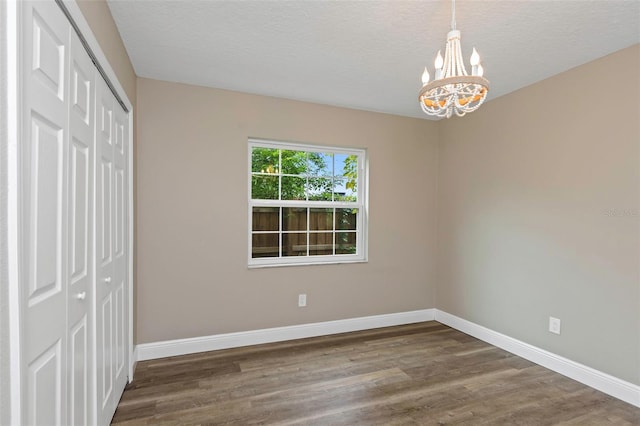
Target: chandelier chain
453	15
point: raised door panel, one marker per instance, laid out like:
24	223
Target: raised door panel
48	51
106	212
119	271
120	214
45	387
79	366
119	337
80	194
46	203
105	352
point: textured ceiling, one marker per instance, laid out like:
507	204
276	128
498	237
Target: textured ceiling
364	54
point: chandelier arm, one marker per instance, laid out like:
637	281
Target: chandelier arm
460	69
452	58
451	71
446	69
456	58
446	72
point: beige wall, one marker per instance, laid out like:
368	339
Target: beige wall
98	15
539	214
193	278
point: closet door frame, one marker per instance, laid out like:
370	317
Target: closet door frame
10	222
10	91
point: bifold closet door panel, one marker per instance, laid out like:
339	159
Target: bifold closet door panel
120	244
111	271
44	208
81	158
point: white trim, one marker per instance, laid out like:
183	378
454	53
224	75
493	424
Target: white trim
300	146
132	354
603	382
11	60
168	348
134	362
361	205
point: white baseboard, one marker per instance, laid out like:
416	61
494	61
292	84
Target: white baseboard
167	348
603	382
133	362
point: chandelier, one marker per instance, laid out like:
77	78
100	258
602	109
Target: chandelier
453	90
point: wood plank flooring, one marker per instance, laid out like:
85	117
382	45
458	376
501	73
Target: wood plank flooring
418	374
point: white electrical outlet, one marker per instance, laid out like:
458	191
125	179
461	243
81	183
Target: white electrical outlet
302	300
554	325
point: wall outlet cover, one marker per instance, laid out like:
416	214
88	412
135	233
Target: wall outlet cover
554	325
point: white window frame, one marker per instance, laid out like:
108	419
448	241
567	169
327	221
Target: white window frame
361	204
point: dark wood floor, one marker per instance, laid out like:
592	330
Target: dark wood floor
419	374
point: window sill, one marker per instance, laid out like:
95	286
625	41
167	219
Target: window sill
307	263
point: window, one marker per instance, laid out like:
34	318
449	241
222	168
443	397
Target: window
307	204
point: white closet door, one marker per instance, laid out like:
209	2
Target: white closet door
43	212
80	235
73	228
111	271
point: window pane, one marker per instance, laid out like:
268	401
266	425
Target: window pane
264	160
294	219
346	218
321	243
320	189
320	164
264	245
265	218
346	174
264	187
345	243
342	193
294	162
339	189
320	219
293	188
294	244
340	160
